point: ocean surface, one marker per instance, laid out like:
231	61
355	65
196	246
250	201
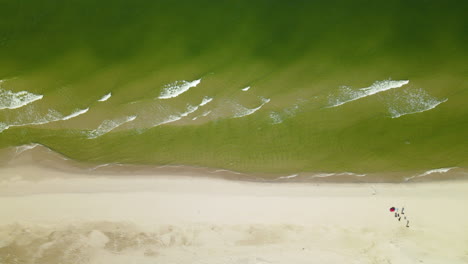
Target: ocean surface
250	86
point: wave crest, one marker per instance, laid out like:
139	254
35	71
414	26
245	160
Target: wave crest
429	172
105	97
177	88
190	109
12	100
51	116
109	125
247	111
346	94
411	102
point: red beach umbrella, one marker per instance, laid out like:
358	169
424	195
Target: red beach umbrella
392	209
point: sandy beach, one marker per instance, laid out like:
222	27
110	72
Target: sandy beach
53	216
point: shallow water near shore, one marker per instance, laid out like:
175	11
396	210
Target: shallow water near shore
279	87
35	155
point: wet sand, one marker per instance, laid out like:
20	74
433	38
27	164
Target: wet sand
53	216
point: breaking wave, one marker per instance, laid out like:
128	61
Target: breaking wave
51	116
3	127
206	100
347	94
170	119
429	172
75	114
109	125
190	109
411	102
12	100
177	88
105	97
245	89
247	111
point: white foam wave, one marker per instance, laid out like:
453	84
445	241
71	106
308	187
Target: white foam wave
246	111
75	114
172	118
190	109
245	89
223	170
177	88
429	172
206	113
51	116
323	175
206	100
109	125
288	177
347	94
3	127
105	97
169	119
12	100
412	102
441	170
104	165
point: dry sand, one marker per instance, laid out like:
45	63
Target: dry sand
51	216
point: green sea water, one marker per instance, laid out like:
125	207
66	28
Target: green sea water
360	86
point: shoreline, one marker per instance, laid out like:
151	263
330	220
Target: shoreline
39	155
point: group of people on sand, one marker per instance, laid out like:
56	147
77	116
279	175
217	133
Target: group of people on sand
400	214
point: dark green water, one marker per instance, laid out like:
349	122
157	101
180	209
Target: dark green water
296	56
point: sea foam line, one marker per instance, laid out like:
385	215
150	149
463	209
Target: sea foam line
177	88
224	170
246	111
12	100
108	125
105	97
412	102
346	94
323	175
429	172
